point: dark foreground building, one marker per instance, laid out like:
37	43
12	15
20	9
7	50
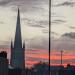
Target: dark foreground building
3	63
61	70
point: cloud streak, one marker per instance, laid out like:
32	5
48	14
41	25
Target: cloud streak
66	3
37	10
71	27
69	35
58	21
66	42
39	43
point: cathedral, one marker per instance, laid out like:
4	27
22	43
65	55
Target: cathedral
18	48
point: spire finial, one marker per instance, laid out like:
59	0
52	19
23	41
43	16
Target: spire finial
24	44
18	9
11	44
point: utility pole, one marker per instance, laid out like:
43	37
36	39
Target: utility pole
61	57
49	33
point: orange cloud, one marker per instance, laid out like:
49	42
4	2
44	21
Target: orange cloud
43	55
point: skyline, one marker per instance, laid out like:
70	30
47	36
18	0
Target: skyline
34	26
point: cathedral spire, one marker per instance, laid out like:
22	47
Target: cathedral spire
24	45
17	51
11	45
18	38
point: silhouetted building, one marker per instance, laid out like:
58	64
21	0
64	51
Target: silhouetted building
3	54
69	70
15	71
56	69
17	51
40	69
3	63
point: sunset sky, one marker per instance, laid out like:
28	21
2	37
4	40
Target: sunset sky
63	31
34	26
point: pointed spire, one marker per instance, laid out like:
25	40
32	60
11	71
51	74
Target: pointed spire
18	13
24	45
18	38
18	50
11	45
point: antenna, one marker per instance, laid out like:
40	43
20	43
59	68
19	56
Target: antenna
61	57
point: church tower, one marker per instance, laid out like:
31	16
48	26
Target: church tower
18	49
